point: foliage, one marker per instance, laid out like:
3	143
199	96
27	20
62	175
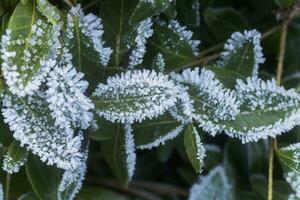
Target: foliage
138	97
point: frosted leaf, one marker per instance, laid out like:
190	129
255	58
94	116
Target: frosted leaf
144	31
135	95
293	197
267	110
129	150
163	139
33	126
215	186
92	28
26	61
185	34
243	46
159	62
65	95
1	192
196	10
12	166
49	11
289	157
211	102
72	180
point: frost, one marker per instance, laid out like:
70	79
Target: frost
266	96
293	179
144	31
12	166
201	152
213	186
49	11
159	62
65	95
24	69
72	180
129	150
196	9
185	34
162	139
91	26
237	41
1	192
31	123
212	102
135	95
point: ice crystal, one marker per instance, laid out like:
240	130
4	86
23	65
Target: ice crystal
144	31
185	34
129	150
31	122
162	139
238	40
201	152
135	95
213	186
49	11
212	102
293	178
293	197
65	95
72	180
91	27
196	9
24	69
159	62
12	166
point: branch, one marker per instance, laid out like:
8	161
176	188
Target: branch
114	185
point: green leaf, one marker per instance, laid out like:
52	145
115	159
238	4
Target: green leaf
27	47
176	50
146	9
194	148
15	158
267	110
28	196
155	132
97	193
189	12
224	21
285	3
289	157
215	185
120	34
44	179
243	53
115	153
49	11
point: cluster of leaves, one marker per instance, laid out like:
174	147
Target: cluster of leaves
126	79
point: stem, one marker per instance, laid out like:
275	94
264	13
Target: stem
7	186
69	3
279	71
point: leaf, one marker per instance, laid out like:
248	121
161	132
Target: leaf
289	157
44	179
267	110
33	126
27	49
15	158
243	53
119	153
285	3
189	12
223	21
146	9
28	196
156	132
49	11
194	148
210	101
97	193
174	42
135	96
213	186
128	42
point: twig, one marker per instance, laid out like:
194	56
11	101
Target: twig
114	185
69	3
7	186
91	4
